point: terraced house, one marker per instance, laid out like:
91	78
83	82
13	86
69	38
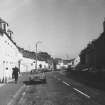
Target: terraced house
9	54
93	56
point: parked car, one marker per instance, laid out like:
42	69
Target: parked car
46	70
37	76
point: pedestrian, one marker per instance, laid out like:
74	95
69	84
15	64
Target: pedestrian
15	73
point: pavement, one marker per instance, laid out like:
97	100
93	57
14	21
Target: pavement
10	91
2	85
9	81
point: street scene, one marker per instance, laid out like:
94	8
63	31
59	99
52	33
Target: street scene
52	52
58	90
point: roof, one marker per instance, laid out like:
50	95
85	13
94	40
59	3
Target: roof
2	21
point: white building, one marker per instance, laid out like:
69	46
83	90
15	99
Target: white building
28	64
44	64
76	61
62	65
9	54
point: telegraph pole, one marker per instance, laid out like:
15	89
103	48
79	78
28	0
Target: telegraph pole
36	53
36	57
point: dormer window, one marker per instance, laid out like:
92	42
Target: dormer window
9	33
3	25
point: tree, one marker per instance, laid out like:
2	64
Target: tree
44	56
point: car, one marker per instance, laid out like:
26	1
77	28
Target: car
46	70
37	76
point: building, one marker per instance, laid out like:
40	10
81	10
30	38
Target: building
93	56
9	54
76	61
27	64
63	64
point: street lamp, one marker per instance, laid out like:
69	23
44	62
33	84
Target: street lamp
36	52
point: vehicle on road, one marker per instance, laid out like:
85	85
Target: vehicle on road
37	76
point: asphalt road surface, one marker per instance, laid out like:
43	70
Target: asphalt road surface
59	90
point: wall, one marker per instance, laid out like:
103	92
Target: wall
9	57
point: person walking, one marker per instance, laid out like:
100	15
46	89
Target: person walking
15	73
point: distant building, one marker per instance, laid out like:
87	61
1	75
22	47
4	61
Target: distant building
63	64
76	61
27	64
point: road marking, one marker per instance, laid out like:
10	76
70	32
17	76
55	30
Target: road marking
77	90
69	84
17	93
66	83
81	93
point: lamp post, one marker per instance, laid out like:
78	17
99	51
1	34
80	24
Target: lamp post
36	52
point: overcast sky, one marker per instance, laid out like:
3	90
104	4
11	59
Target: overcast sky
63	26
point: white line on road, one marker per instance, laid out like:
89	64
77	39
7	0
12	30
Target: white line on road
66	83
77	90
69	84
81	93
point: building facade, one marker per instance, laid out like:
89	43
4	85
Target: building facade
9	54
93	56
28	64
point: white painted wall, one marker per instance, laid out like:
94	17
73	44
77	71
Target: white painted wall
28	64
9	57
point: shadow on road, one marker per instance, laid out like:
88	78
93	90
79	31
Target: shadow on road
33	82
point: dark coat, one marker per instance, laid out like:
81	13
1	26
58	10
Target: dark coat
15	72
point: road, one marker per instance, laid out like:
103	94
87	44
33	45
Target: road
59	90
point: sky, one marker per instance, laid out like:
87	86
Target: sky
64	27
